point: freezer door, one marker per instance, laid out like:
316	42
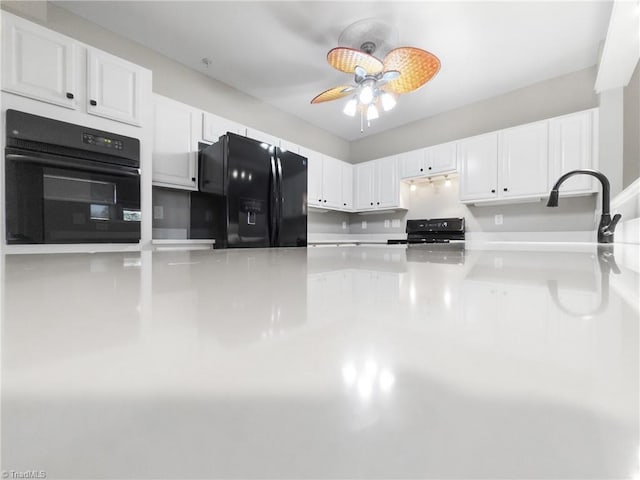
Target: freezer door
292	220
249	186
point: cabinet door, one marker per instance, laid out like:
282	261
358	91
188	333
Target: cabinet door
440	158
314	176
289	146
570	148
213	127
412	164
388	183
523	160
478	162
262	136
365	185
347	186
175	144
114	87
38	63
331	182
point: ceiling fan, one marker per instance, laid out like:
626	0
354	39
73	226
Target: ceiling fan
377	83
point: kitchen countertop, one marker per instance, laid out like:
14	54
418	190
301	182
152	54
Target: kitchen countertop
498	361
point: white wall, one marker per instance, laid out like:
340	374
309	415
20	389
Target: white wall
176	81
631	140
550	98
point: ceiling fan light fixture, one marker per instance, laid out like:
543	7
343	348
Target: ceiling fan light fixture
388	101
372	113
366	92
351	107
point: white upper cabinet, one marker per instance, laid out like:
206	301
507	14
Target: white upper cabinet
39	63
347	186
331	182
523	161
412	164
262	136
289	146
365	179
478	162
177	129
440	158
377	185
388	183
213	127
572	146
314	176
114	87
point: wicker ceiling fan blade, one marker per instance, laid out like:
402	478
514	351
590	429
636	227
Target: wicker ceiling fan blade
347	59
416	67
333	94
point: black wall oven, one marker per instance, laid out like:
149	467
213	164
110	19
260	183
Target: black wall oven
66	183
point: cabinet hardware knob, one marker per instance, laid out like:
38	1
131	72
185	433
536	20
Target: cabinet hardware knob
193	179
344	204
371	203
429	168
378	203
325	201
320	200
493	191
70	95
505	189
93	102
422	169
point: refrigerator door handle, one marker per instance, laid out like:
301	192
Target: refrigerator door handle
280	200
273	203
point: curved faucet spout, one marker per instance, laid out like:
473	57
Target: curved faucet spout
607	224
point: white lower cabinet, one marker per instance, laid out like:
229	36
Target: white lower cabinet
177	130
573	145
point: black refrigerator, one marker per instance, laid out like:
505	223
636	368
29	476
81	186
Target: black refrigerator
251	194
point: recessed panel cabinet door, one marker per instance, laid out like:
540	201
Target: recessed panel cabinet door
412	164
570	148
175	144
331	182
38	63
440	158
365	185
347	186
113	87
478	163
314	176
388	191
523	160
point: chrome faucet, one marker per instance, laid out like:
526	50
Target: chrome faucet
607	224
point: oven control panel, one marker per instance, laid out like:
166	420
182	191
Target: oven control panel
99	141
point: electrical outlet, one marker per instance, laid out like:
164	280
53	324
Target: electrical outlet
344	225
387	224
364	224
395	223
498	219
158	212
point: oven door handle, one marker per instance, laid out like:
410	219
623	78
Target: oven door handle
72	163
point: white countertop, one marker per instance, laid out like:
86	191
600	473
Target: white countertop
326	362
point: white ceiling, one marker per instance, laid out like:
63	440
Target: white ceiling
276	51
